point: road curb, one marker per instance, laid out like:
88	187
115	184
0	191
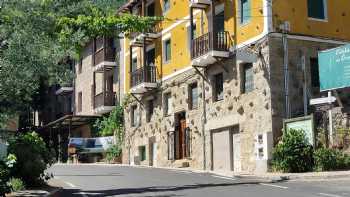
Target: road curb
53	192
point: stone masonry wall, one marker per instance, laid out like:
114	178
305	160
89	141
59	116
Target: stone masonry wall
250	111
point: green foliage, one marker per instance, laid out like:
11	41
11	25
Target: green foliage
112	124
36	35
331	159
16	184
113	152
5	167
293	153
33	158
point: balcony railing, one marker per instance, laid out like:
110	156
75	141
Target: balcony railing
143	76
106	54
107	100
218	41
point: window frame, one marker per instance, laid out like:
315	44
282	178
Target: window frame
314	68
243	22
189	34
245	67
80	101
166	9
134	120
215	86
142	153
165	58
191	105
150	109
167	101
325	12
132	64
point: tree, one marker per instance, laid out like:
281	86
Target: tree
35	35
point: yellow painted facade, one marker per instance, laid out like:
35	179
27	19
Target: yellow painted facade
176	24
336	25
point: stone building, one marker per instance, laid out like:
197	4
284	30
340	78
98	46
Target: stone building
211	84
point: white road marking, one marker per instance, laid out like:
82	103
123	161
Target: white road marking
69	184
223	177
329	195
83	194
272	185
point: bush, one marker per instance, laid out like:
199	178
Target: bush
113	152
331	159
5	174
16	184
293	153
33	158
4	177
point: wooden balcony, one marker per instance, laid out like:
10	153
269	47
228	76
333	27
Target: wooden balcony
104	55
104	103
207	47
143	79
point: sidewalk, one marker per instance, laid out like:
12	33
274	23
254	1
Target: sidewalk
50	189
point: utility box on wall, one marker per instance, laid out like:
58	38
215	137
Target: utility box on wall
263	150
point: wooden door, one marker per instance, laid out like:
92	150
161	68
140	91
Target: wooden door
182	128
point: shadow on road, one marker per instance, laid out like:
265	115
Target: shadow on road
154	189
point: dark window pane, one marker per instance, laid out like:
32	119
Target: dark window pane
315	78
248	78
150	10
142	153
316	9
150	110
134	64
193	96
218	87
167	50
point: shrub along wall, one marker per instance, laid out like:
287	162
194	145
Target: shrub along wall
294	154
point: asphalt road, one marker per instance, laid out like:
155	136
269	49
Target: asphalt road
104	180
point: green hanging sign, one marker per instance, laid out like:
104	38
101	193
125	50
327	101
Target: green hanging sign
334	68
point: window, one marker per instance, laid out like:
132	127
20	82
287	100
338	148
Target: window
142	153
315	78
150	110
134	64
245	11
247	78
80	101
317	9
166	6
168	107
150	10
194	30
218	87
80	66
193	96
134	116
167	51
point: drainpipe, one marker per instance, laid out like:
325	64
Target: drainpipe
204	121
286	71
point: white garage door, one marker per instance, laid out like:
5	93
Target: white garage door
221	151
